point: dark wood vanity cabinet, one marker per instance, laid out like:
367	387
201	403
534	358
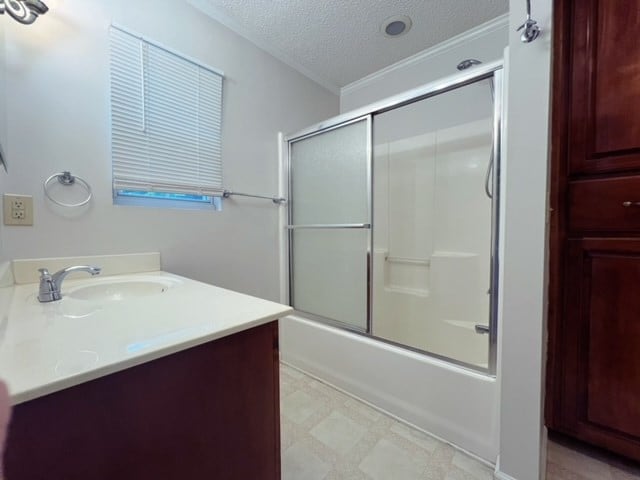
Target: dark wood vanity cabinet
208	412
593	390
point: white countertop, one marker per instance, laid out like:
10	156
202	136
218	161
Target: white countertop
46	347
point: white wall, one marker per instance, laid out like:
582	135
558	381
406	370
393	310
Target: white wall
522	336
57	104
3	89
485	43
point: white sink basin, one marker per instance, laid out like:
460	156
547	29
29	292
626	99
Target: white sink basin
119	289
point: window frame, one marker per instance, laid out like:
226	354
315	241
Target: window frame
128	199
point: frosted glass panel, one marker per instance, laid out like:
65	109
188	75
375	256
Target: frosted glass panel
330	274
329	177
433	224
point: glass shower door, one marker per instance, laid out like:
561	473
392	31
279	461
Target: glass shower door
435	221
330	224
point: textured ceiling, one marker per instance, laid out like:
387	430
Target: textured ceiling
339	41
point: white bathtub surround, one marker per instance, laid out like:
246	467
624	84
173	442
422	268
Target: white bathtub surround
106	324
432	229
450	402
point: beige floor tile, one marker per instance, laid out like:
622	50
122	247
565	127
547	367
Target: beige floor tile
574	461
420	439
363	409
338	432
388	461
456	473
292	372
298	463
347	475
435	472
299	406
558	472
330	436
473	467
625	474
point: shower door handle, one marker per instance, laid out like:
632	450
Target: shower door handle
483	329
329	225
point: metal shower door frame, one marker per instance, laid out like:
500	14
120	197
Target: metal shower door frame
367	225
490	71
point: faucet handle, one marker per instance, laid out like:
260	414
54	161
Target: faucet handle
44	273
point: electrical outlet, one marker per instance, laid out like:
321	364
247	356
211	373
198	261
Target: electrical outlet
18	209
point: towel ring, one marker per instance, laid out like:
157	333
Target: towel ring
66	179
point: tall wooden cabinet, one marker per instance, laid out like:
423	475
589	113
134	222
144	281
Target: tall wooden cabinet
593	389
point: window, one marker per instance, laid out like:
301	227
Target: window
166	117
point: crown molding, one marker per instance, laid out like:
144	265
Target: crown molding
213	12
473	34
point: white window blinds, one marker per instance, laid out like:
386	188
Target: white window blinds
166	118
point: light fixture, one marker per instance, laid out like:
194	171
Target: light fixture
24	11
396	26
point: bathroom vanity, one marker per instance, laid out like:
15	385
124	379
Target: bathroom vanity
122	380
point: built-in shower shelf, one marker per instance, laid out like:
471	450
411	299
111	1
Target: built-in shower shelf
462	324
408	260
447	254
419	292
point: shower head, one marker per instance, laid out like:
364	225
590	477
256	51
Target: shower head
469	62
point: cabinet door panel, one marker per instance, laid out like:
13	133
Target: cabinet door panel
605	118
613	376
601	392
617	71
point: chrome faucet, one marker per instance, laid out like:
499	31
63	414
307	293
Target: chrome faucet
50	285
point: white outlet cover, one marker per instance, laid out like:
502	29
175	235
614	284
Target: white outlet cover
18	210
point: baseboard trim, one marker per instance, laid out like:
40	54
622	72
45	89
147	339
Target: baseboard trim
498	475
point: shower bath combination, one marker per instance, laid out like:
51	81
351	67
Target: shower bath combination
393	219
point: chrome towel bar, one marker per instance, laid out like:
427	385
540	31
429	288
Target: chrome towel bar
276	200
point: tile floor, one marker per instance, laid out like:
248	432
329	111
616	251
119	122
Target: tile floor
327	435
569	461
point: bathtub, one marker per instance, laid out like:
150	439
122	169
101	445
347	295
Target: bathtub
452	403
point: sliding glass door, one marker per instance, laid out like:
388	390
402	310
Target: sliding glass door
330	223
434	179
394	219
